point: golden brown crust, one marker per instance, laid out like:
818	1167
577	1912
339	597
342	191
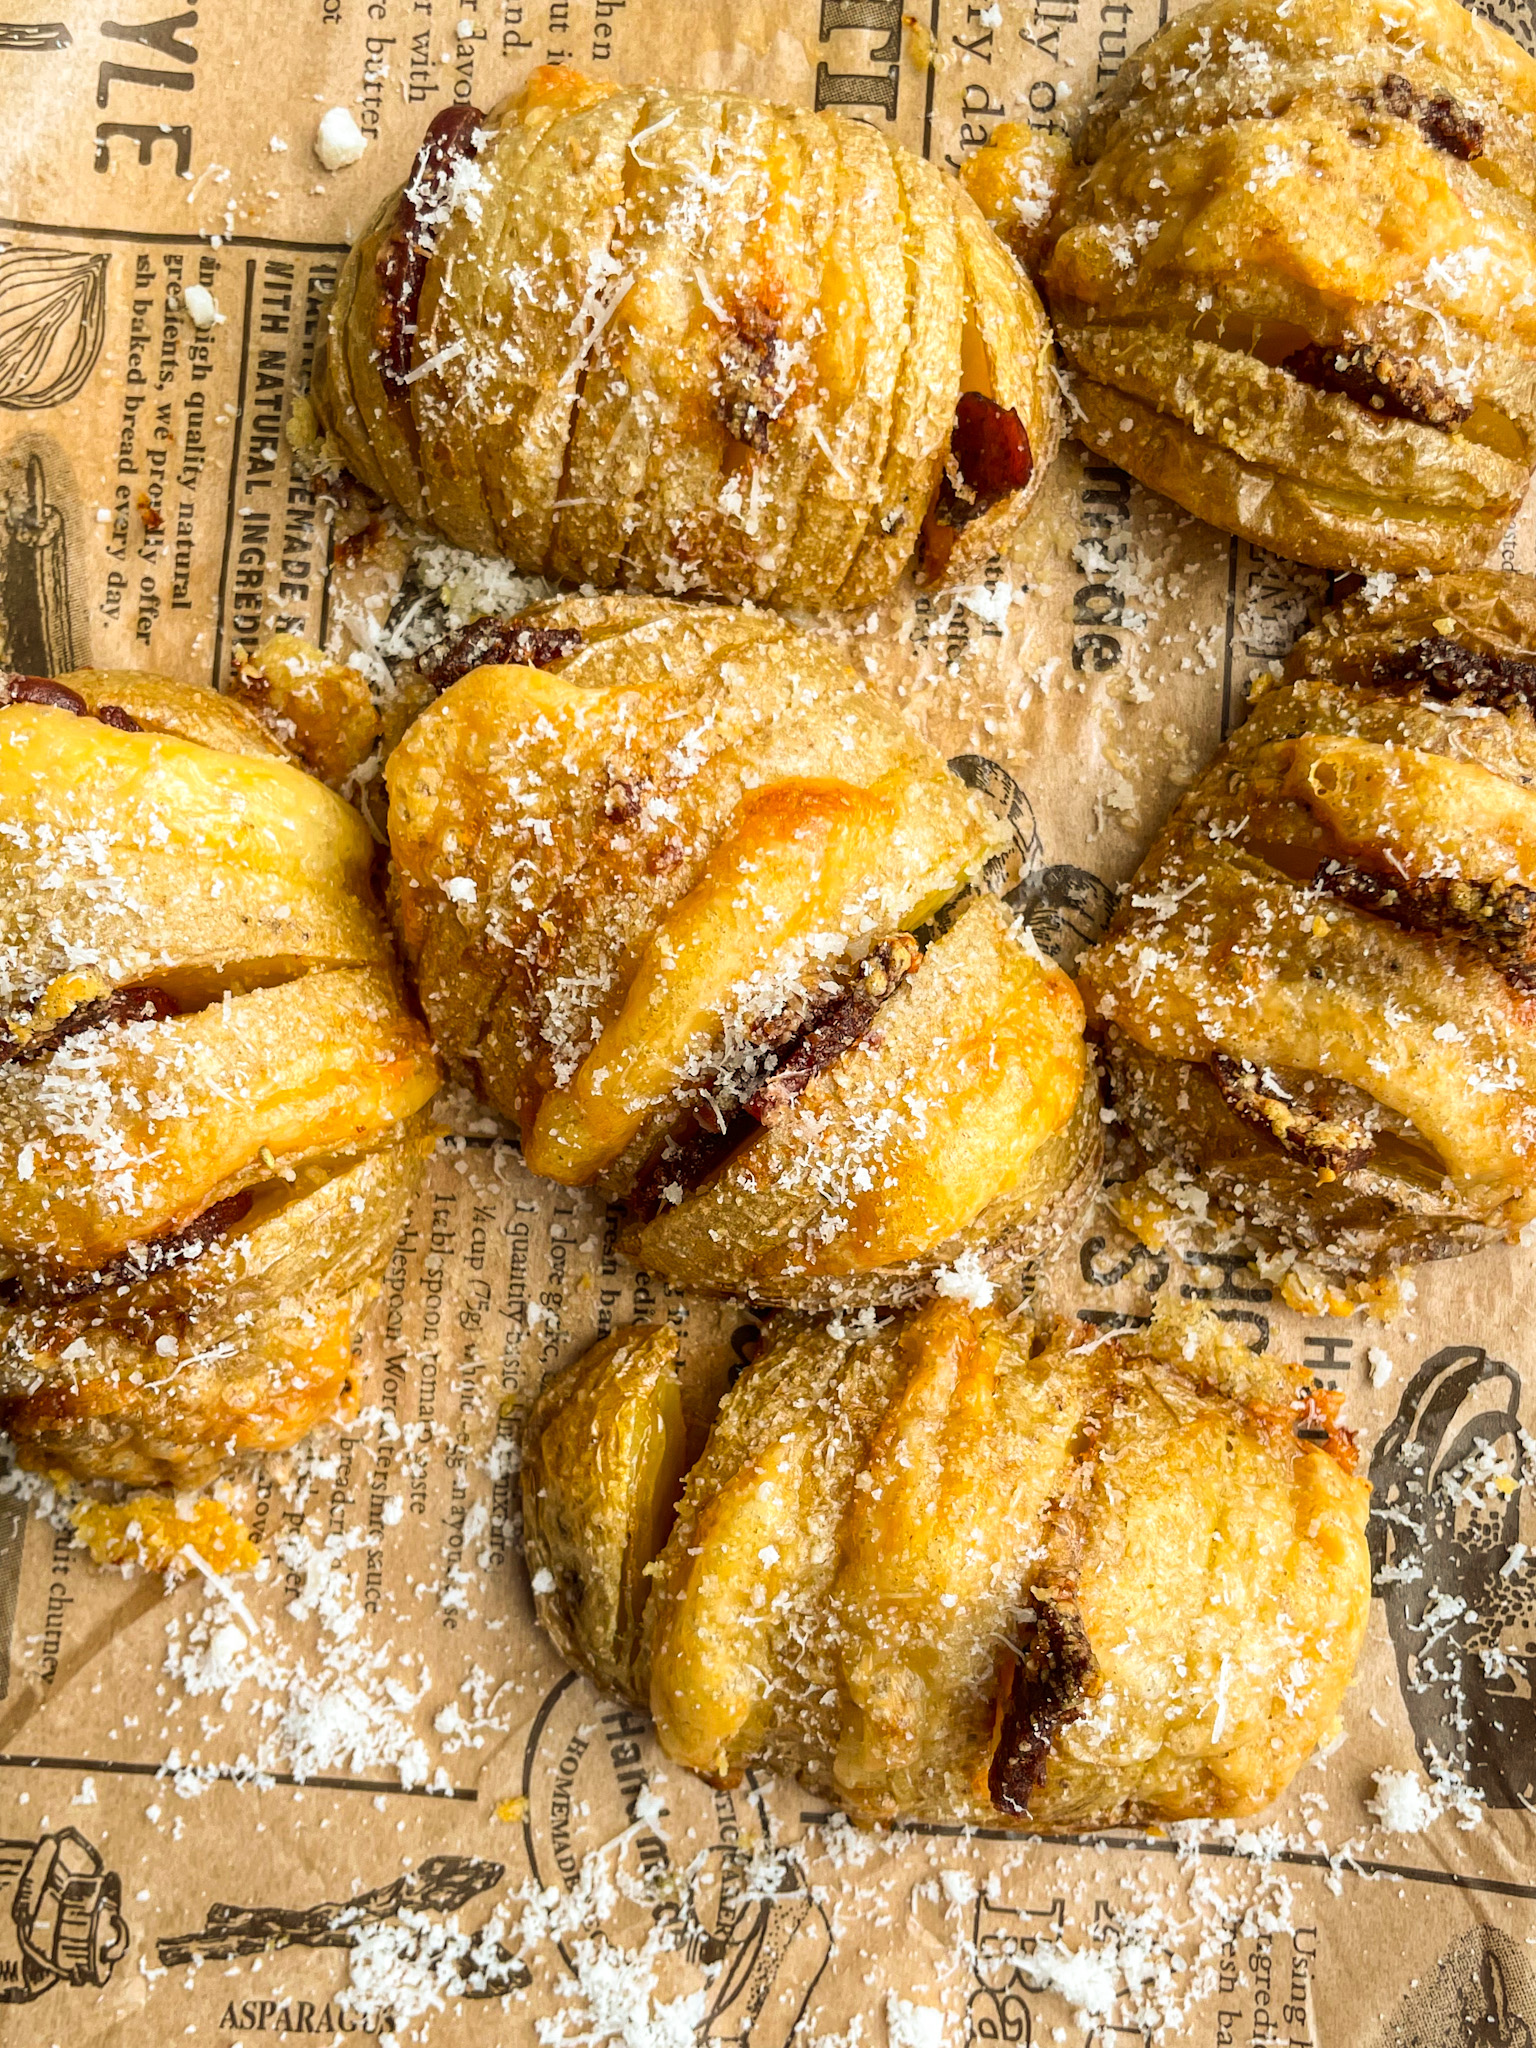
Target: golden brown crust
964	1123
1288	270
960	1571
1317	992
679	341
634	882
209	1122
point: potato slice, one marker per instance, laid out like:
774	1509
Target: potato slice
739	1653
181	864
855	360
923	404
243	1349
604	1456
125	1133
527	308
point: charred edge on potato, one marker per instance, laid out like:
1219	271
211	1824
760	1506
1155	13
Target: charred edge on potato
499	642
1333	1144
137	1005
754	376
401	264
140	1261
1384	381
1498	918
52	695
1044	1687
1449	672
814	1034
1443	121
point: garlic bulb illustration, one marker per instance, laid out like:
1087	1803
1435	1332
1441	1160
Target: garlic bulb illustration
53	313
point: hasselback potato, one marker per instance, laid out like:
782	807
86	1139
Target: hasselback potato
210	1114
960	1570
1316	997
1295	275
685	341
661	871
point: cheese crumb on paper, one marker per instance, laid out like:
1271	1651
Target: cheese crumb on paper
339	141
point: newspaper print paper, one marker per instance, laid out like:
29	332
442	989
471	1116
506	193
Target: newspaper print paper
358	1795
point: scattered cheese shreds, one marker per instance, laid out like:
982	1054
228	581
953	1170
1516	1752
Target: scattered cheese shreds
909	2025
1404	1804
965	1281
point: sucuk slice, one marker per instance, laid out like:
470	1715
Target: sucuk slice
1488	611
1005	358
385	412
158	704
923	1140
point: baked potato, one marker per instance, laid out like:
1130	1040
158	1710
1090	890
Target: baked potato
1293	275
961	1570
211	1117
684	341
1316	994
659	872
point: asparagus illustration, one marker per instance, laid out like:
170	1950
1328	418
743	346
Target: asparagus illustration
442	1884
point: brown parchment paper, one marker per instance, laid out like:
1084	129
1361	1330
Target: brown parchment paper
373	1718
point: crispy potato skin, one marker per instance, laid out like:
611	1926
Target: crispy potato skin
1340	910
1258	184
603	1463
198	1013
684	341
876	1528
617	877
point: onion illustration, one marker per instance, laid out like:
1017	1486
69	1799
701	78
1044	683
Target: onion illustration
52	319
